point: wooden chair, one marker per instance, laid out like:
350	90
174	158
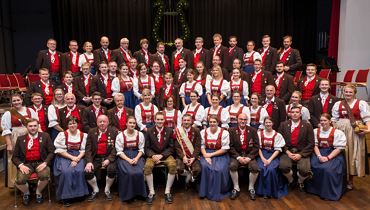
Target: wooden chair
32	180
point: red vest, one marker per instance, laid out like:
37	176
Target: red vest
146	84
249	61
213	143
171	121
257	84
33	154
41	116
122	119
277	93
125	85
194	112
326	105
48	98
158	84
325	142
234	116
267	143
54	67
87	87
196	58
147	116
236	87
131	144
355	110
102	144
166	96
218	112
216	89
176	66
76	114
74	67
294	136
269	108
255	117
308	90
73	145
188	90
285	56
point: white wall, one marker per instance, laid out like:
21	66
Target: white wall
354	39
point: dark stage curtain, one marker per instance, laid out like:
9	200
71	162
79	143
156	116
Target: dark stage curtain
88	20
247	19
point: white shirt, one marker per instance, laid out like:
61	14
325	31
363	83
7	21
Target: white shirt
225	87
60	141
52	115
136	85
225	138
138	117
225	117
340	140
199	115
120	141
279	142
363	106
6	119
189	85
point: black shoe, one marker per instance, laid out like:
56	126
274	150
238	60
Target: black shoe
150	199
39	198
252	194
266	197
234	194
108	196
66	203
26	199
301	187
168	198
92	196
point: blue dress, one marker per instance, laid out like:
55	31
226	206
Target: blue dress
70	181
131	177
270	181
329	178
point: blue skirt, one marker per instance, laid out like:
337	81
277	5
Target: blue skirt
215	179
93	70
270	181
203	99
256	126
329	178
131	177
129	99
70	181
248	69
137	101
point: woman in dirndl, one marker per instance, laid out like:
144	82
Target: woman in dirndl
217	85
201	77
13	125
295	100
270	181
258	113
342	112
53	112
189	86
237	84
172	116
237	108
143	81
215	179
123	83
327	164
69	164
130	151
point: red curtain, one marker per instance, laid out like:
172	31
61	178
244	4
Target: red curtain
334	29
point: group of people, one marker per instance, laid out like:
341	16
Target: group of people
204	115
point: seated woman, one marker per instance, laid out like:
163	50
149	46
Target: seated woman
237	84
172	116
236	108
215	179
123	83
295	100
143	81
217	85
328	164
69	163
270	182
145	111
217	110
258	113
130	164
189	86
195	110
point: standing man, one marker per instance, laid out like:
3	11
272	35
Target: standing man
243	151
102	83
309	85
103	53
83	84
71	59
143	55
44	86
321	103
123	54
33	152
283	82
274	106
50	59
234	52
299	139
92	112
220	50
201	54
289	56
100	153
259	79
119	113
268	54
161	58
159	149
183	53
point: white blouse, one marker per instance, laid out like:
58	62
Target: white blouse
82	59
136	86
245	91
225	139
245	110
263	115
279	142
340	140
363	106
225	117
120	143
6	119
225	88
256	55
116	86
189	85
172	114
60	141
198	116
138	117
52	115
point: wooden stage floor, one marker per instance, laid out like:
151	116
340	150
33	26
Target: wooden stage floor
359	198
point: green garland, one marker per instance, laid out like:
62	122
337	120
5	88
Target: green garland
180	7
